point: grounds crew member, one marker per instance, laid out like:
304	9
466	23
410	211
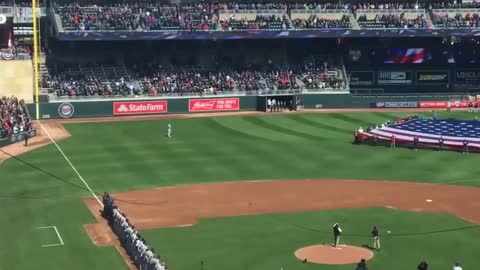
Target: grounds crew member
465	146
393	141
470	106
337	231
415	142
440	142
376	237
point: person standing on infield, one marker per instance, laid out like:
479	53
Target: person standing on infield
337	231
376	238
169	130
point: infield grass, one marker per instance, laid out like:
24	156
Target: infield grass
269	241
122	156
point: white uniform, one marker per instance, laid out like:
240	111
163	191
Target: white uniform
169	133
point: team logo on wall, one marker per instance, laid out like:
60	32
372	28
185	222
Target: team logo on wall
7	53
66	110
3	19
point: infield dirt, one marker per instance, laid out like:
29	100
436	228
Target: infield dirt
179	206
156	208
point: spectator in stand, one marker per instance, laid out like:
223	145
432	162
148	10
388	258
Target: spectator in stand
468	20
315	22
13	117
273	21
395	21
392	5
138	17
155	80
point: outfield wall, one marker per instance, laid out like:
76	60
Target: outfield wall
124	107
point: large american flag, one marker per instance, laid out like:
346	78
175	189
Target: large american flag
401	56
453	132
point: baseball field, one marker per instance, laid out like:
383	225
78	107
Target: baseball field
237	192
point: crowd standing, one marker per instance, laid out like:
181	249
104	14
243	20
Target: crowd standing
136	246
13	117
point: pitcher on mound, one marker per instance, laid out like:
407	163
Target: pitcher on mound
337	231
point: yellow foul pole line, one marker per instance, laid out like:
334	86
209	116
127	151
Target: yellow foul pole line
35	58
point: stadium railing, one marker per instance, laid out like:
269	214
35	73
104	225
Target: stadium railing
17	137
52	97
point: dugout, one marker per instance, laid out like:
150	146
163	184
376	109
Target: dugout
283	102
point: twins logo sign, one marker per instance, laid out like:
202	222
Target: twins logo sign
66	110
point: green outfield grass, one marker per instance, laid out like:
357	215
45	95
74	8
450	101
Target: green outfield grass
122	156
269	241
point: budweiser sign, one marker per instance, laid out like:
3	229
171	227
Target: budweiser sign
140	107
444	104
214	104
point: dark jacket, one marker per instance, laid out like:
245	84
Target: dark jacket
336	230
422	266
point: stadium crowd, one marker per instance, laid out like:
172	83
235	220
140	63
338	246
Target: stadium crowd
160	81
13	117
142	16
153	16
395	21
136	246
138	16
457	21
315	22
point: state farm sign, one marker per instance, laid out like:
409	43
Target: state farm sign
140	107
214	104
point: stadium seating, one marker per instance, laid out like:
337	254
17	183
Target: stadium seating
391	18
456	18
129	81
160	16
13	117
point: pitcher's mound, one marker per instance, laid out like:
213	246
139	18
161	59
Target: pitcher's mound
326	254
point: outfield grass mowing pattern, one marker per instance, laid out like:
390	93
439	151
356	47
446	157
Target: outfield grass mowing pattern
122	156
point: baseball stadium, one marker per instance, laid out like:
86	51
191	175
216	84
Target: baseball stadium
252	135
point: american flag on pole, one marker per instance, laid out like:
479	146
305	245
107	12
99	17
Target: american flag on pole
429	132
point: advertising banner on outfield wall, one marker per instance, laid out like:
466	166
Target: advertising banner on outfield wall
394	78
214	104
444	104
395	104
140	107
361	78
433	77
467	76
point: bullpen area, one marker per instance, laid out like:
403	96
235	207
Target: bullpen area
252	191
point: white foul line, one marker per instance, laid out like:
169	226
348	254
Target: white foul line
58	235
70	163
